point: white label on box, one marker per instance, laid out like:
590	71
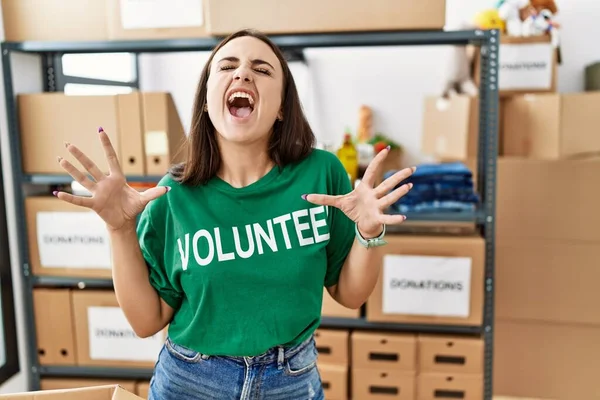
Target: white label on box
154	14
157	143
112	338
72	240
426	285
526	66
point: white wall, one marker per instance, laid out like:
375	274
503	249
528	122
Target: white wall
392	81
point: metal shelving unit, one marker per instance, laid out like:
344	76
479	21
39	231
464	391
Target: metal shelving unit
483	218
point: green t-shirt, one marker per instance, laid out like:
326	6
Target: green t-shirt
244	268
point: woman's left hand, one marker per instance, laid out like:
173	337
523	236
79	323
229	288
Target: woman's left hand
365	205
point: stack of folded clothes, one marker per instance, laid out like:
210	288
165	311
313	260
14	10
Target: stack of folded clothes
444	187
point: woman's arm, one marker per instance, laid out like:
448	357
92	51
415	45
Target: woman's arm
358	276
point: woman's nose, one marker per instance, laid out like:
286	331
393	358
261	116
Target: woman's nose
243	74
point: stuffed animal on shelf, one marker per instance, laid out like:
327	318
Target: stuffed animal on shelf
542	21
513	13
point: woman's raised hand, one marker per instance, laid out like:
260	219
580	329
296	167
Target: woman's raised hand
117	203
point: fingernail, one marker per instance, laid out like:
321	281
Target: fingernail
100	129
304	196
67	144
405	217
410	185
388	147
168	188
59	158
414	169
55	193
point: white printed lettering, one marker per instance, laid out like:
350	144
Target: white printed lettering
238	245
282	220
222	256
302	227
185	254
210	244
261	235
316	224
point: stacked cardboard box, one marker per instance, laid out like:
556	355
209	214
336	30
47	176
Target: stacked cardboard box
144	128
333	362
160	19
547	246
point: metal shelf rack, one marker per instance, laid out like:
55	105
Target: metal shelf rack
483	218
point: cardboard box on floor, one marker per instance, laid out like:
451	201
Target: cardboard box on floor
429	279
270	16
74	383
144	128
109	392
552	126
334	379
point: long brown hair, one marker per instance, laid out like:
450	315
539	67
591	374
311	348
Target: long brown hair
292	138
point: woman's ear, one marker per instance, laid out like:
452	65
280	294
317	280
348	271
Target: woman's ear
280	115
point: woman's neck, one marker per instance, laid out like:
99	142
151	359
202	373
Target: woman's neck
243	165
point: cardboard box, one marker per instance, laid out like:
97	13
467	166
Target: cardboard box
71	20
375	384
430	279
54	329
109	392
144	128
66	240
142	389
333	346
334	379
73	383
164	137
155	19
48	120
451	133
225	16
434	386
552	126
332	308
548	280
526	65
543	199
105	338
450	354
389	351
546	360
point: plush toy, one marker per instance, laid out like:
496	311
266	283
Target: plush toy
542	21
513	13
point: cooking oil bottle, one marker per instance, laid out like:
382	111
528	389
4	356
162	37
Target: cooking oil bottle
348	155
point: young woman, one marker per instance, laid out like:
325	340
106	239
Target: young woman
233	248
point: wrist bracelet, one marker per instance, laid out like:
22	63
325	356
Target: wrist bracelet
374	242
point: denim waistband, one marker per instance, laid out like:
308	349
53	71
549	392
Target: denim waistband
275	354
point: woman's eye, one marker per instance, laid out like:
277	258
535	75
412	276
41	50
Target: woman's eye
263	71
226	67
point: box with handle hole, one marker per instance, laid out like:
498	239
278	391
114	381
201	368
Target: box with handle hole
450	354
383	383
332	346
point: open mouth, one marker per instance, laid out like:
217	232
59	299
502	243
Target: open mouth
240	104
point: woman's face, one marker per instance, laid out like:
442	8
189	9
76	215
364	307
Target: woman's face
244	90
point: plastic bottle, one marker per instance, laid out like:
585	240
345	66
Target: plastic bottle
348	155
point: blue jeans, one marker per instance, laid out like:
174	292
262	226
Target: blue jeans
279	374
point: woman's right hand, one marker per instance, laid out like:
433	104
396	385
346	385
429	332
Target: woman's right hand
117	203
